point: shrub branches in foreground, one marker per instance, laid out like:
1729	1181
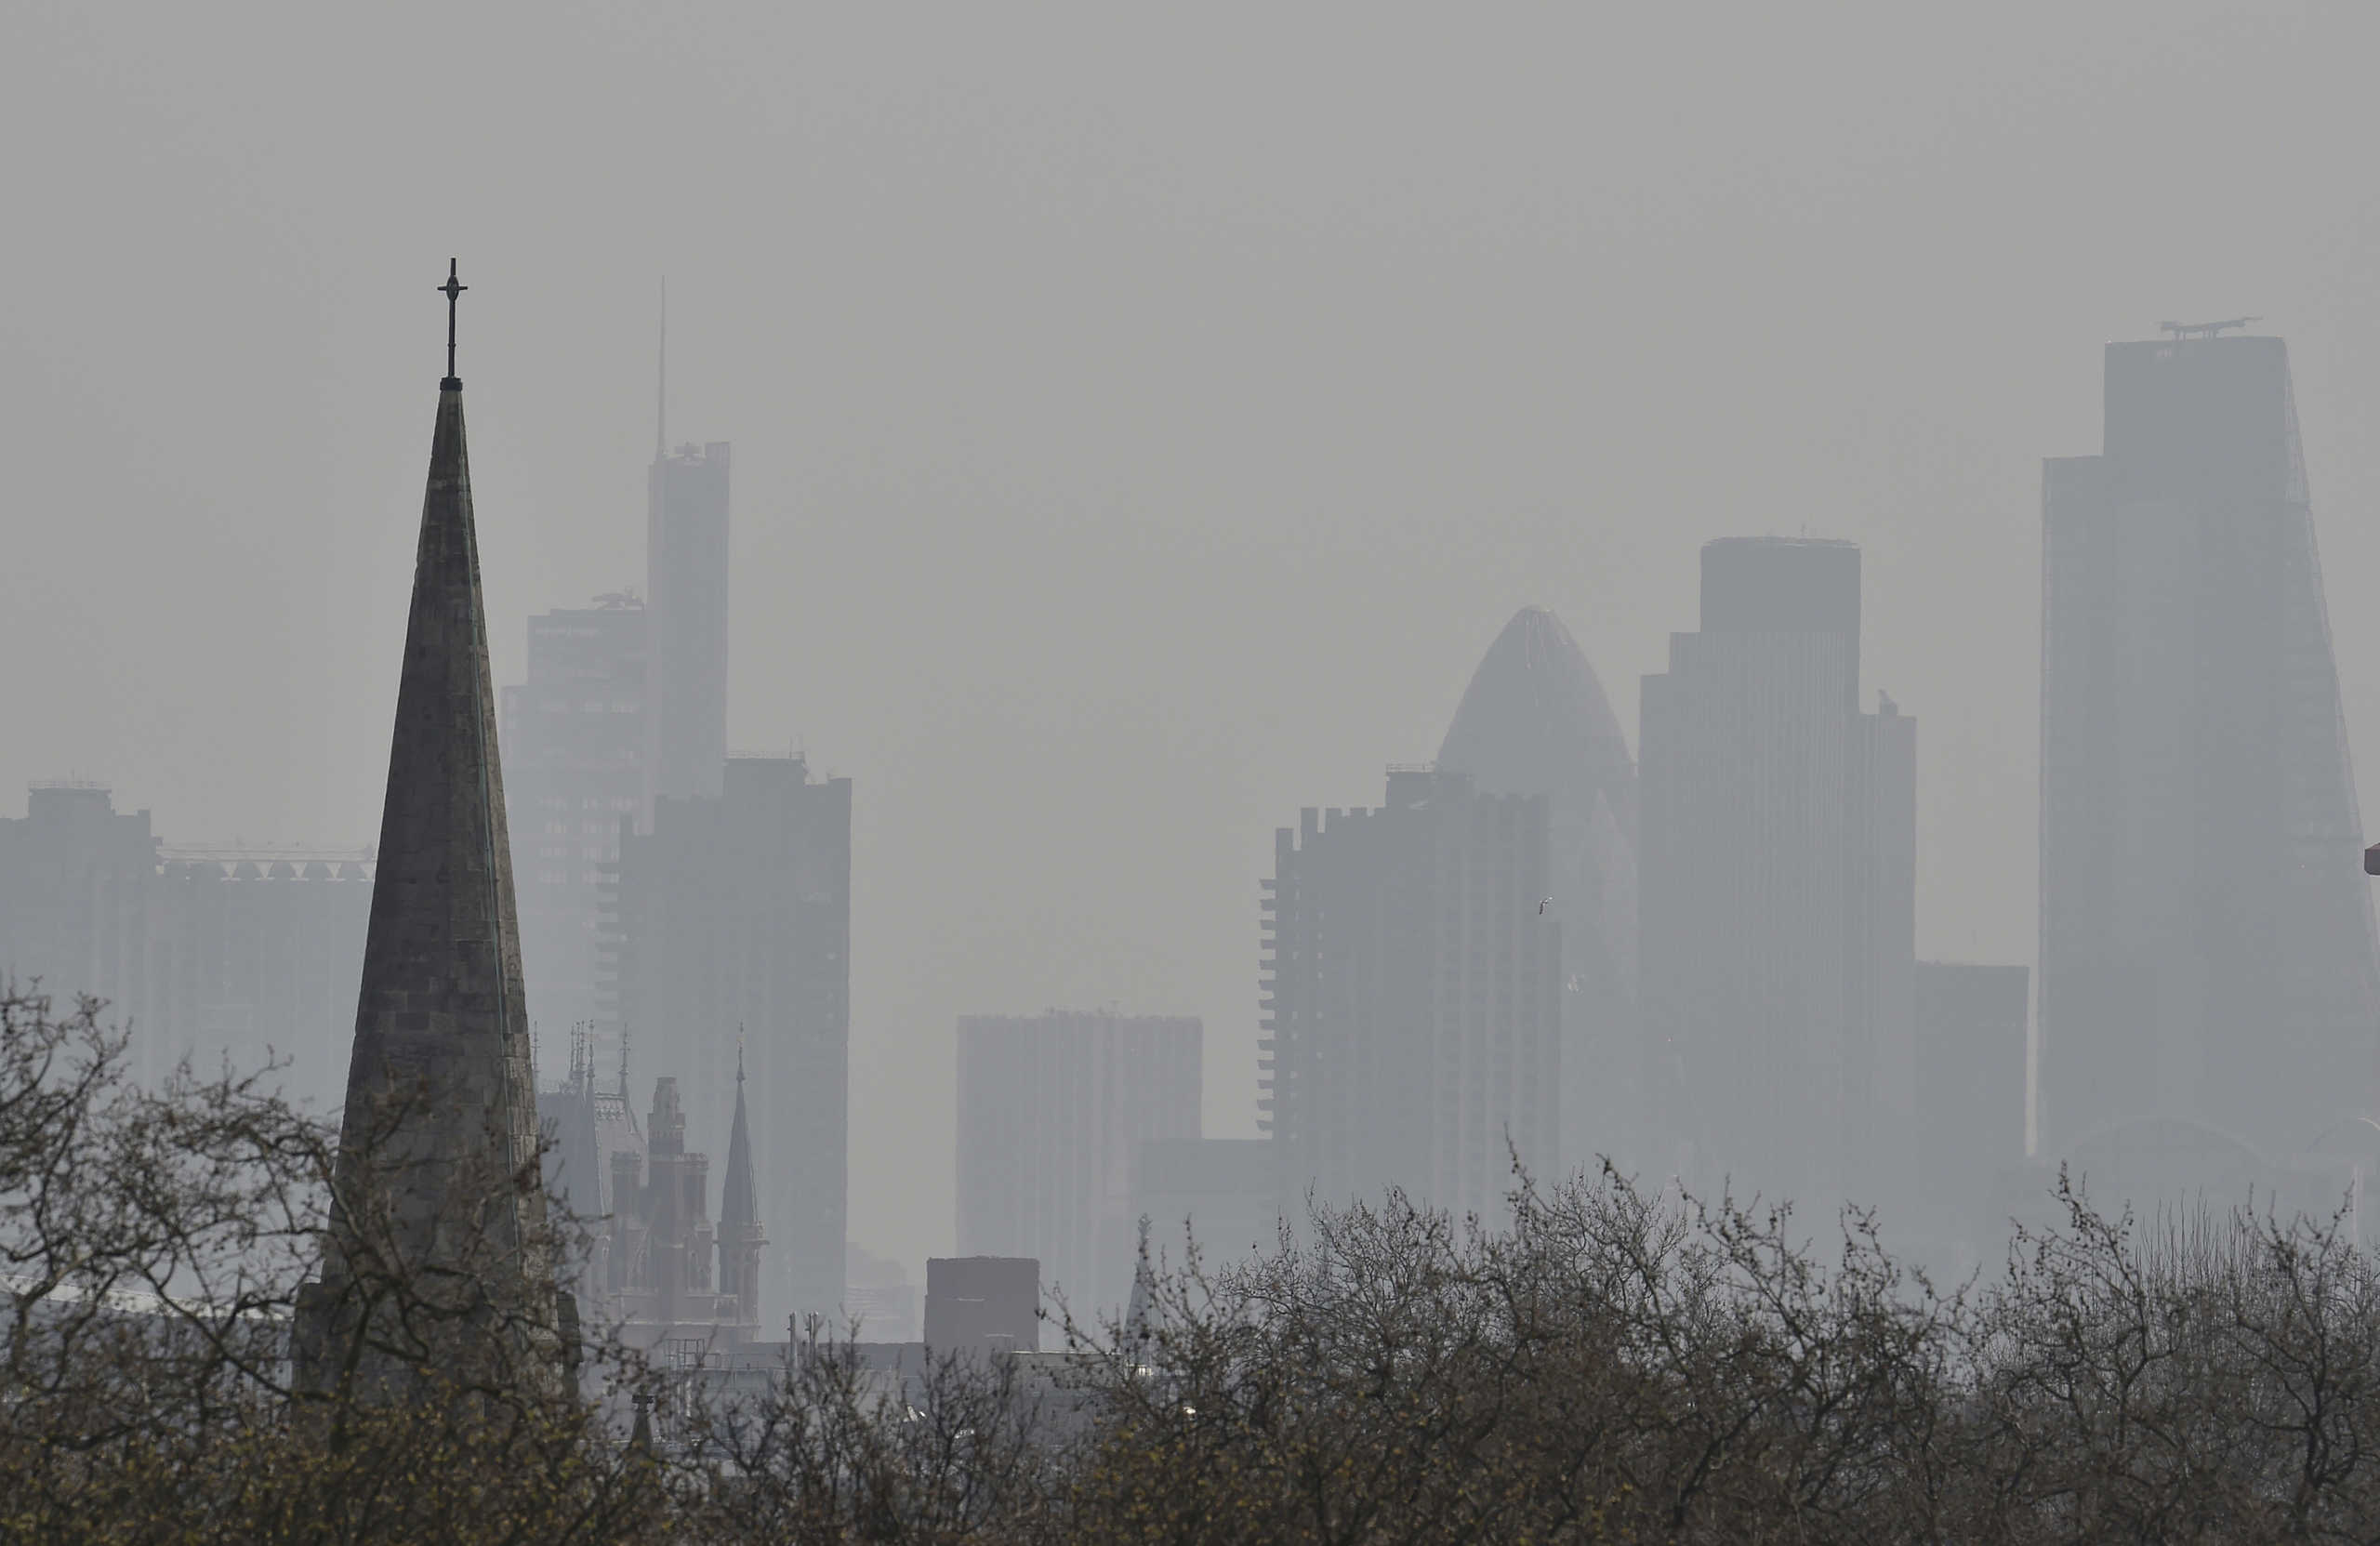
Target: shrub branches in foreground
1609	1365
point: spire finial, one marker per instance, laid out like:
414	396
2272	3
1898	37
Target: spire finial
739	1055
452	290
661	382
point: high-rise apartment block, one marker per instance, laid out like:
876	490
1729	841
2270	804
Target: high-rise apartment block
730	933
2207	946
686	565
1053	1109
1777	888
1411	997
573	764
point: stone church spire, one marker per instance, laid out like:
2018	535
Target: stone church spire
436	1193
740	1238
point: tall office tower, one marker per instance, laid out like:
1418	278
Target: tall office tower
731	927
574	766
685	558
1777	887
2207	946
1052	1110
200	952
1971	1023
1535	722
1411	990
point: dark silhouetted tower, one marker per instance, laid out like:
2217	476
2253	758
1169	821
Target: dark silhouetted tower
440	1127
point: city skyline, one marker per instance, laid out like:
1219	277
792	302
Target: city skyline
1134	437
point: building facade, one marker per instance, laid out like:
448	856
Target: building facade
728	935
1972	1022
2207	948
1776	888
574	763
200	952
1051	1111
1410	992
1219	1193
686	568
1535	722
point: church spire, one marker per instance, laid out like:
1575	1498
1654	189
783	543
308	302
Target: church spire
740	1237
438	1172
738	1200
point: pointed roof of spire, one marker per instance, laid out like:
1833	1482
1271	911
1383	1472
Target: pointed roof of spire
439	1019
740	1200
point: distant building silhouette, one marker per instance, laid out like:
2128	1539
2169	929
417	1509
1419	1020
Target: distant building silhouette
574	760
1053	1109
879	1297
686	569
1777	888
1971	1024
1411	995
659	1268
200	952
731	920
983	1304
587	1122
1219	1192
2207	949
1535	722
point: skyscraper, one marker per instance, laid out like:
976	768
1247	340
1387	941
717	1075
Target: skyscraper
574	763
685	560
2207	949
1535	722
1777	887
1411	997
731	928
1051	1111
440	1129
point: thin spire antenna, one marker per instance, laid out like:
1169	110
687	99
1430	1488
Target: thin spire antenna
452	290
661	382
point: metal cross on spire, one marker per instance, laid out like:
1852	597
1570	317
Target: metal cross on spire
452	290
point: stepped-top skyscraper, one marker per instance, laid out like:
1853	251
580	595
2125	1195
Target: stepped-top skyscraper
2207	946
440	1129
1535	722
1776	888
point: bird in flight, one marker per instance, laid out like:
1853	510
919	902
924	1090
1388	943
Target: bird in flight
1543	905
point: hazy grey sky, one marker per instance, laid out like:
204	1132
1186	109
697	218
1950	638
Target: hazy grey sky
1143	421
